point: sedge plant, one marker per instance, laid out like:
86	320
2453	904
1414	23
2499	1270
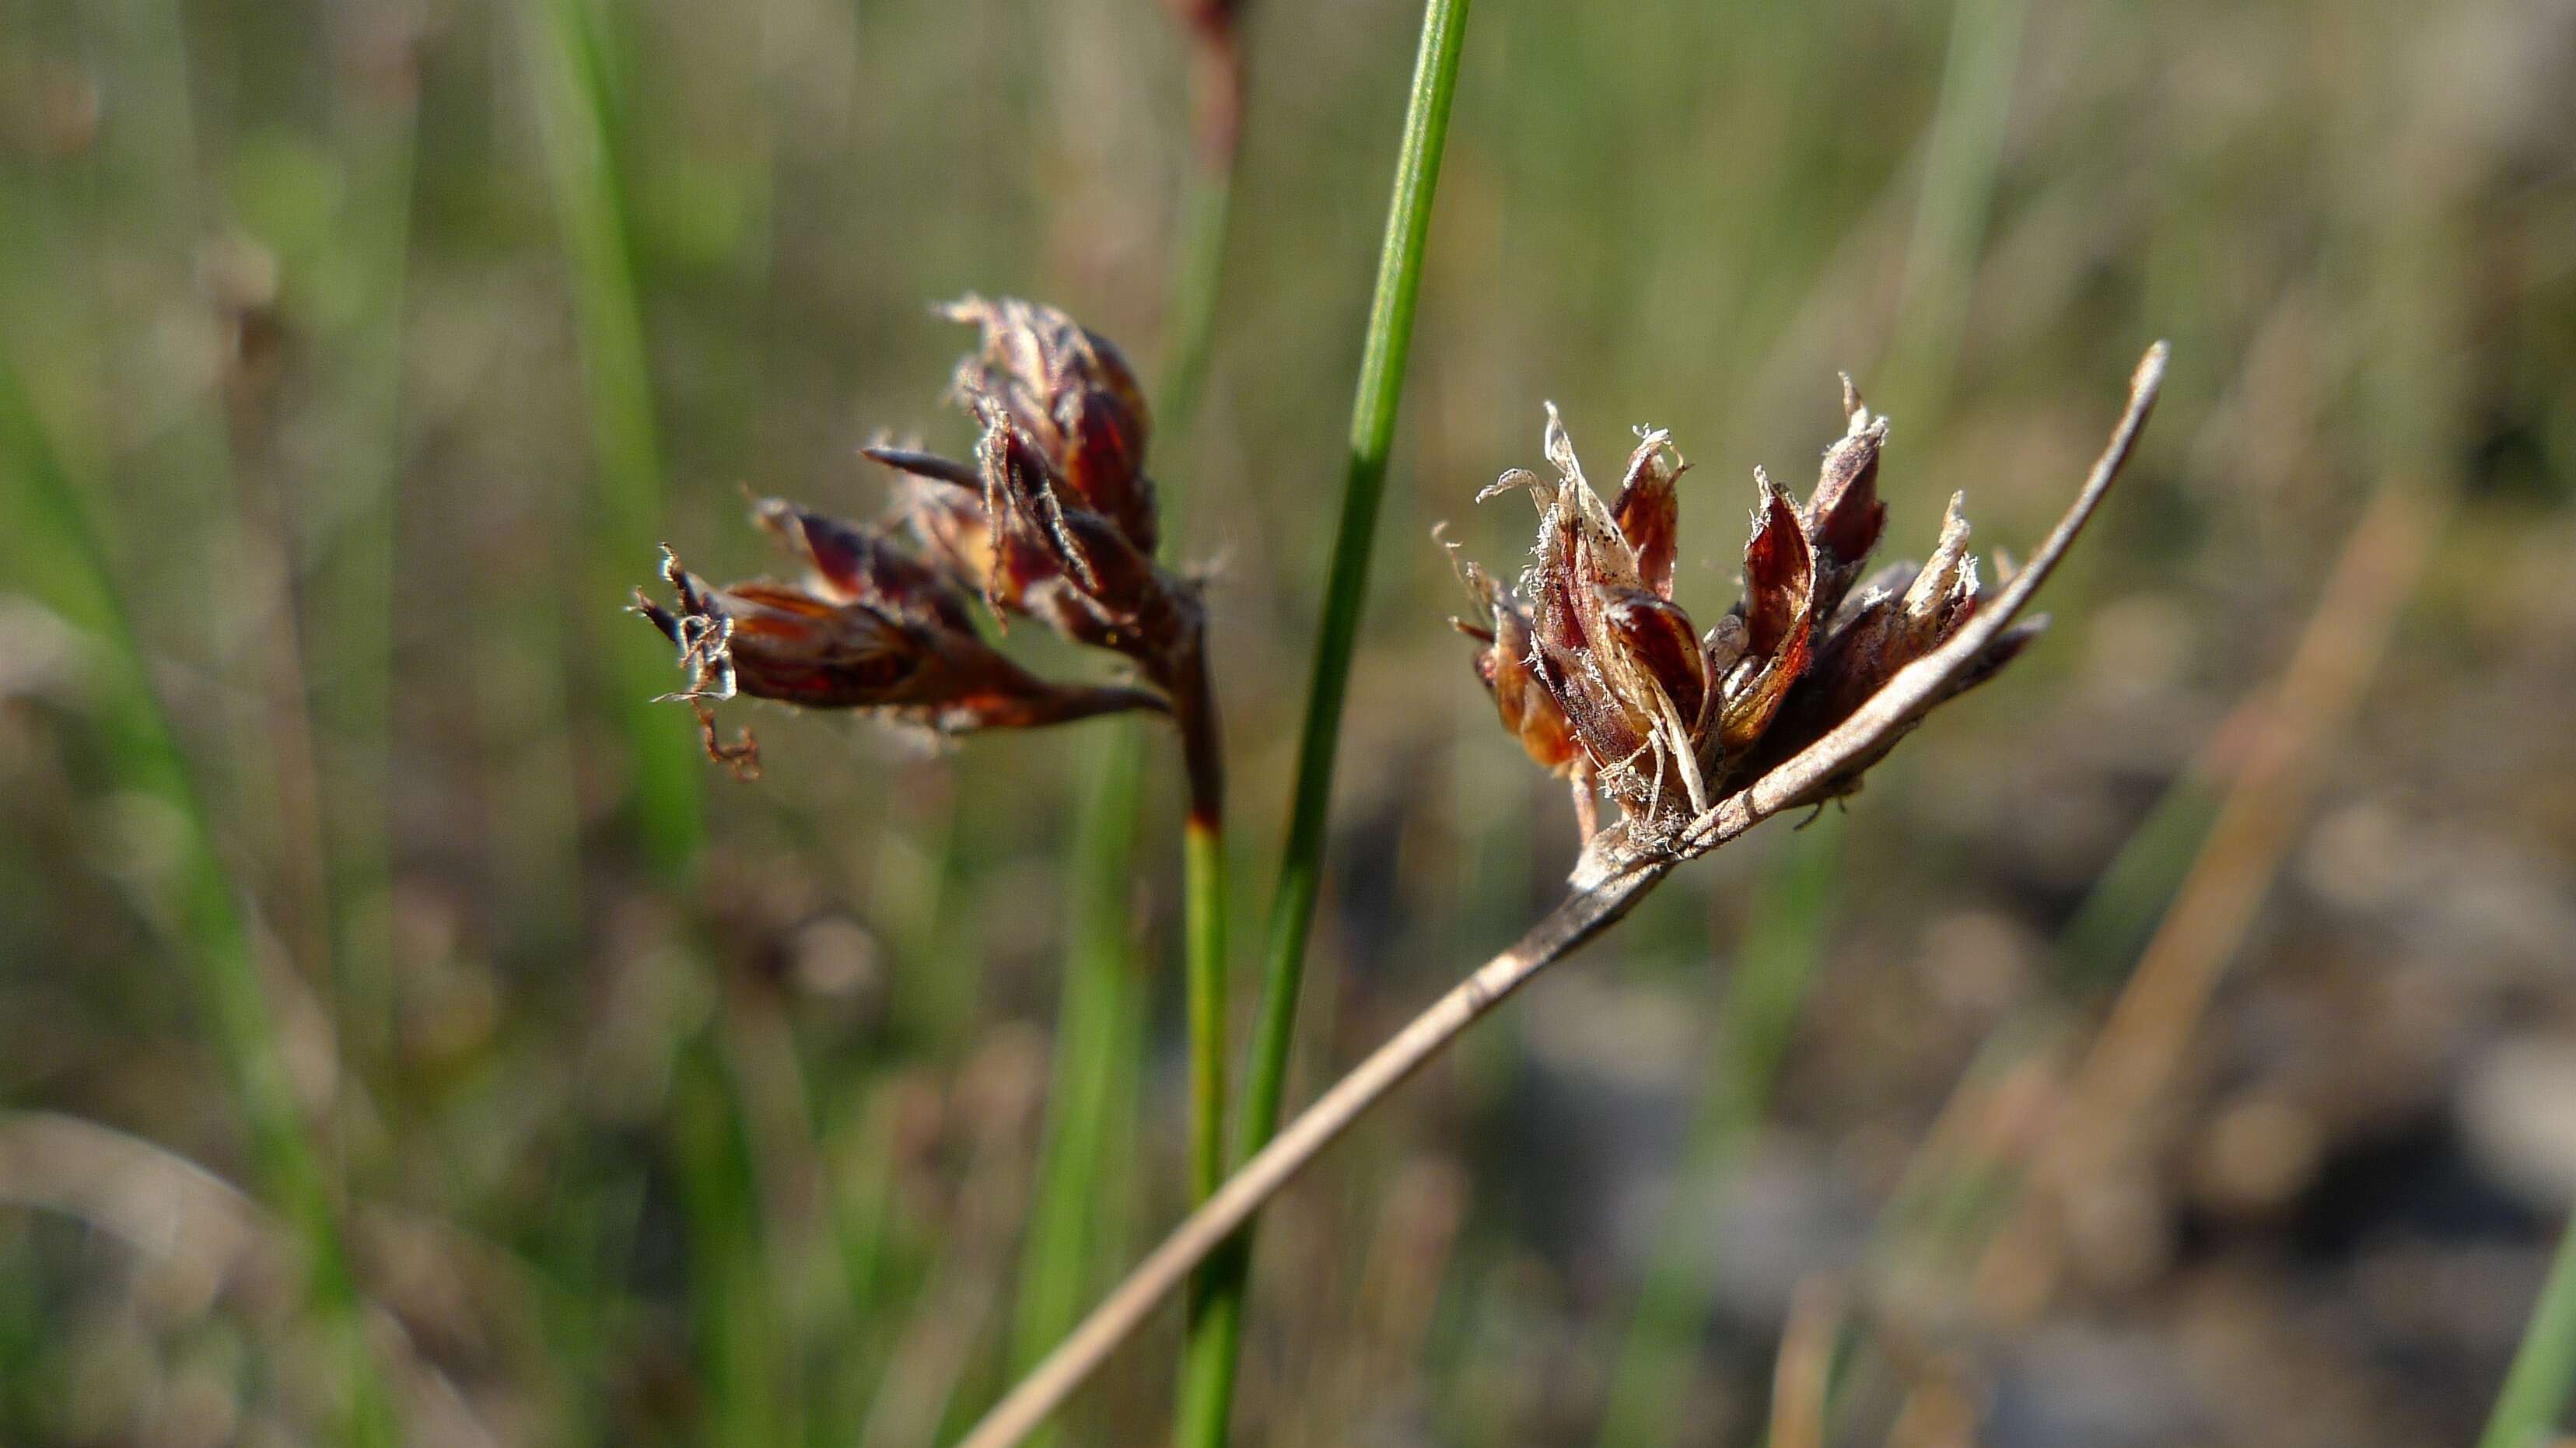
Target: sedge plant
1590	661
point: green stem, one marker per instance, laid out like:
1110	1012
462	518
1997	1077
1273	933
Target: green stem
1095	1033
577	112
1217	1325
1198	271
1203	895
2536	1388
1203	872
738	1316
1100	1017
1197	274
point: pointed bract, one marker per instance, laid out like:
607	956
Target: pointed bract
1648	510
1844	514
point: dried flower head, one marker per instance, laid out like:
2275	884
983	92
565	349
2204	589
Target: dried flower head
868	638
1055	520
1602	676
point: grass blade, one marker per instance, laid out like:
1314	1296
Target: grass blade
2536	1388
1100	1020
575	107
1217	1298
735	1310
1098	1029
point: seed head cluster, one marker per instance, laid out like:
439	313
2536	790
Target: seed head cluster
1054	520
1603	678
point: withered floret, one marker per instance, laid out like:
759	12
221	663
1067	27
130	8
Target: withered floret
822	644
1055	519
1599	674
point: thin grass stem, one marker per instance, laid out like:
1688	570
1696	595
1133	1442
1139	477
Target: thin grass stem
737	1310
1095	1031
1217	1317
1198	272
1100	1020
575	105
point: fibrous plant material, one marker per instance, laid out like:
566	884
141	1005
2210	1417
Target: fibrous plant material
1618	867
1055	520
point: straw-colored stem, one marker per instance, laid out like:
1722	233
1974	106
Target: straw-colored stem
1583	915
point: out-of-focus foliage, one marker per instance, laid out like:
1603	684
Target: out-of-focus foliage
647	1132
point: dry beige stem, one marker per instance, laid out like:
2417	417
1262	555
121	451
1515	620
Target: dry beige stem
1803	1375
1613	875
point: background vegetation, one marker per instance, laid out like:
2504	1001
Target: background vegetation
544	1085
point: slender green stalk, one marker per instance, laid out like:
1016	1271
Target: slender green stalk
1203	899
1783	940
736	1312
1203	885
59	559
2533	1402
1217	1295
1097	1030
575	105
1100	1020
1198	271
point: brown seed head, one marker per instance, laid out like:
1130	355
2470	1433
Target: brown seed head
870	641
1073	397
1054	519
1670	720
1530	714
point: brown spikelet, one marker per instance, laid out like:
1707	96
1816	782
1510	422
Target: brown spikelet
1666	719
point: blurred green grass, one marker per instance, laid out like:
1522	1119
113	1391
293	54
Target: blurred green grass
380	347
